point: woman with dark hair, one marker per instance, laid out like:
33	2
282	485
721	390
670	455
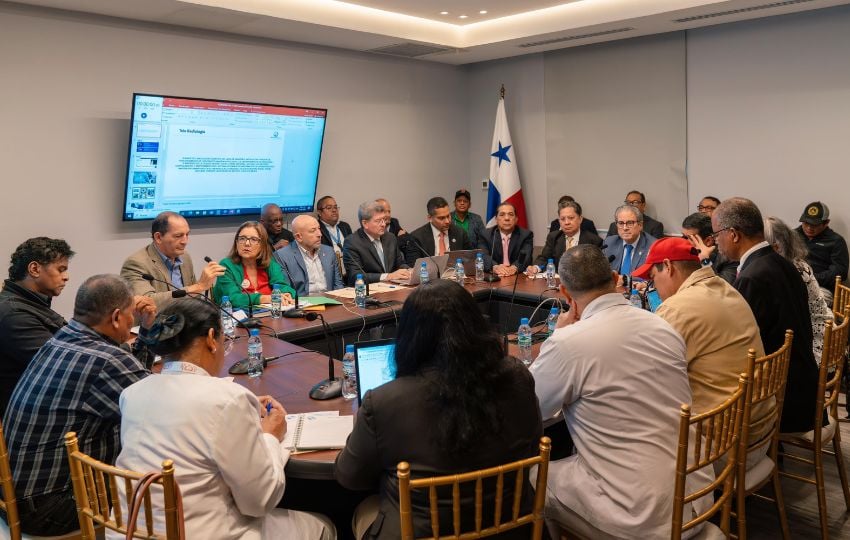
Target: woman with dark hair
457	404
224	440
250	266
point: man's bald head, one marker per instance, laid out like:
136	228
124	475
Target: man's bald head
307	232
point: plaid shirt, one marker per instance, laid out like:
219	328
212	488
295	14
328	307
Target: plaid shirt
72	384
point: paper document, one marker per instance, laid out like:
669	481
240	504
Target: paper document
322	430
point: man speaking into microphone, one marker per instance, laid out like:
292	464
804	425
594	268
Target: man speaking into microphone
165	259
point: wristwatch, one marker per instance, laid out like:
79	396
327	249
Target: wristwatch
705	262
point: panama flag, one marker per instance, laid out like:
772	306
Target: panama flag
504	175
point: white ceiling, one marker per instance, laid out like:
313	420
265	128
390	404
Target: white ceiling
505	30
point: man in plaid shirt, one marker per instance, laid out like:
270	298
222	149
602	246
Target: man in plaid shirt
72	384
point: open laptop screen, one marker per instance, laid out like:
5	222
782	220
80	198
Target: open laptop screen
374	362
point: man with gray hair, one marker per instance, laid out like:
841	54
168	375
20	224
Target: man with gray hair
773	288
371	250
620	397
631	244
73	384
311	265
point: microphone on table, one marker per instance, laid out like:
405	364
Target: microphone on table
295	312
241	366
332	386
419	246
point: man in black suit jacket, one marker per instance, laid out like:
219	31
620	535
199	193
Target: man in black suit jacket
371	250
586	223
569	215
520	243
425	239
773	288
651	226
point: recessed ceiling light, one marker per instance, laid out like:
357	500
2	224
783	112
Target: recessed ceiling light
444	13
462	17
483	12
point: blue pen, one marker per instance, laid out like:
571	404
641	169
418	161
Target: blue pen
268	407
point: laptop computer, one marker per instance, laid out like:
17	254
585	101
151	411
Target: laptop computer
467	257
374	363
435	265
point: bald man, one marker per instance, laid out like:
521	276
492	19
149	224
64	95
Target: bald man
312	266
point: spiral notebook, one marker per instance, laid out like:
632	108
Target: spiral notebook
324	430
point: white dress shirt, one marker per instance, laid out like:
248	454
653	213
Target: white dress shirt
318	282
619	374
229	472
337	241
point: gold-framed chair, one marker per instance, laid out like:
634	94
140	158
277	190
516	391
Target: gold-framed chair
829	383
840	298
705	439
768	375
11	528
534	518
97	503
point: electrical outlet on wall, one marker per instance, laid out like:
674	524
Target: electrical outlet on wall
485	184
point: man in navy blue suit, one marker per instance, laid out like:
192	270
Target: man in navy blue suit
311	265
631	244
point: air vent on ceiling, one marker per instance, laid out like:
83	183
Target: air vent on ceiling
742	10
410	50
575	37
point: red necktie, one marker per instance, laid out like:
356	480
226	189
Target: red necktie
442	244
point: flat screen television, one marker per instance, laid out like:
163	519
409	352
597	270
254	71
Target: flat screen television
210	158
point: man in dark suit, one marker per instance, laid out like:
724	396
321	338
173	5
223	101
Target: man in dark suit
630	245
271	216
651	226
334	231
506	233
439	235
371	250
312	266
586	224
569	235
773	288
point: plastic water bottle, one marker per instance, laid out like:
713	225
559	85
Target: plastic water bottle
349	375
523	339
423	274
479	267
459	273
634	299
277	299
360	291
255	354
552	320
227	322
550	274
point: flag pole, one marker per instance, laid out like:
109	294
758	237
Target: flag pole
502	92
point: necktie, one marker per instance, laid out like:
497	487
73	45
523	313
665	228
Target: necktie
506	240
380	249
442	244
626	267
571	241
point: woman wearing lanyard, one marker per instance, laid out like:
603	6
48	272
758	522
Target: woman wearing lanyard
224	440
250	270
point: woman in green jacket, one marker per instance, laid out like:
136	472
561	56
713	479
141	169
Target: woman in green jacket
251	267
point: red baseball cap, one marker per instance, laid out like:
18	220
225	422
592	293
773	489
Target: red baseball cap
670	248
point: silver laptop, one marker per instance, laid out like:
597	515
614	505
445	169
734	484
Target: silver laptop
467	257
435	265
374	363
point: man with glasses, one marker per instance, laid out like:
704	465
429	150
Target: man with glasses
708	205
334	231
773	288
631	244
165	259
697	228
651	226
271	217
372	251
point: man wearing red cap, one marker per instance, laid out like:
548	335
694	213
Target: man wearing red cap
715	321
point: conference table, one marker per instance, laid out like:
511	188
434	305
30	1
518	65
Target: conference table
289	378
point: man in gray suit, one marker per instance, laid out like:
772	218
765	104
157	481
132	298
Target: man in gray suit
311	266
371	250
165	259
630	245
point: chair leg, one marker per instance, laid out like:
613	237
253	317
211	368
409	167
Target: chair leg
824	525
839	461
740	508
779	499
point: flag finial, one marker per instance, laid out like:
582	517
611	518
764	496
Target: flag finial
502	92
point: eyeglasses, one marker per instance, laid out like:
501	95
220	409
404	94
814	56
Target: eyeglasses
334	207
633	202
248	239
715	234
626	224
701	207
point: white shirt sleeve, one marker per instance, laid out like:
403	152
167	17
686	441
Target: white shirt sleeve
554	377
251	462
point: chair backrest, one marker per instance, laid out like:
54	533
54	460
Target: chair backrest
8	503
517	468
96	486
767	376
841	297
703	440
832	365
